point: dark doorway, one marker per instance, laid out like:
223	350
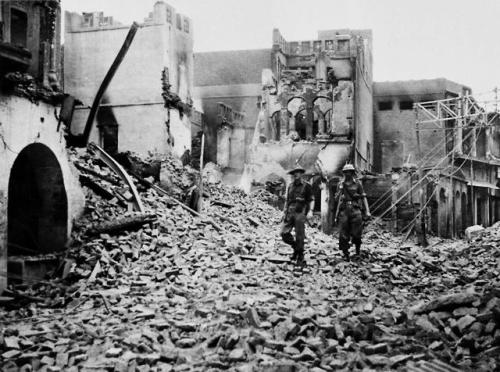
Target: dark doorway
479	211
37	203
300	124
458	214
433	206
108	128
465	215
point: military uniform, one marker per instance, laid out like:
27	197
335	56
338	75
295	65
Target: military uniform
350	219
298	197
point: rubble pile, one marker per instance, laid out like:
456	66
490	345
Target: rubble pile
169	291
267	197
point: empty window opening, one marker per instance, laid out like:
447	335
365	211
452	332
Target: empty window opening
179	21
406	105
343	45
186	25
306	47
18	27
385	105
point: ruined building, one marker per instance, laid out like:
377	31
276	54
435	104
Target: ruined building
314	101
394	119
440	149
309	101
148	105
39	193
227	82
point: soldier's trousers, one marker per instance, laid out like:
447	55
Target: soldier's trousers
350	226
294	220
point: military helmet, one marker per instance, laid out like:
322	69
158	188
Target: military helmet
348	168
297	168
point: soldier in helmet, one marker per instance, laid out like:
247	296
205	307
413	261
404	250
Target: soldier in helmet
298	206
352	204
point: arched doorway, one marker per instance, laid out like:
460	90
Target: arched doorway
37	213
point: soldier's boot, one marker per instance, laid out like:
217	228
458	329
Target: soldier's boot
358	249
295	253
346	254
300	259
344	247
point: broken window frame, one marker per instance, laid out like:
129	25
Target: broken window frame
343	45
15	38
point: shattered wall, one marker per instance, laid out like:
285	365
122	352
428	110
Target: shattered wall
135	93
24	123
232	78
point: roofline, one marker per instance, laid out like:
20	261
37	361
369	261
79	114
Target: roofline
235	50
421	81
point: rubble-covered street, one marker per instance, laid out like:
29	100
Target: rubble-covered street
175	292
255	186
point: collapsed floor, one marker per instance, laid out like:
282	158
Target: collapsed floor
177	292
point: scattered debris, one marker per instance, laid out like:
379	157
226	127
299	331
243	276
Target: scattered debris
166	290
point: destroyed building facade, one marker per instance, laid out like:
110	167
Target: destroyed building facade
324	85
148	105
39	193
227	82
314	102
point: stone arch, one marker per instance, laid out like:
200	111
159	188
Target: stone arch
37	211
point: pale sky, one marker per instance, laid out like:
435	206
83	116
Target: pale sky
424	39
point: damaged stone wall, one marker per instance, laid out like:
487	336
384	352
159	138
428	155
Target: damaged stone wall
234	79
23	125
148	121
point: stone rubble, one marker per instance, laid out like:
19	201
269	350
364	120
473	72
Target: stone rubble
175	294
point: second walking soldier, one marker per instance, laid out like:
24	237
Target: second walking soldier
351	201
298	206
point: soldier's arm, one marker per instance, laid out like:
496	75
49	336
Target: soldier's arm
285	209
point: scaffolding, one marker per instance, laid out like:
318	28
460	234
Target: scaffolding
465	122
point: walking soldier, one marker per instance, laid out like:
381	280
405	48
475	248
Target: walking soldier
351	205
298	206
